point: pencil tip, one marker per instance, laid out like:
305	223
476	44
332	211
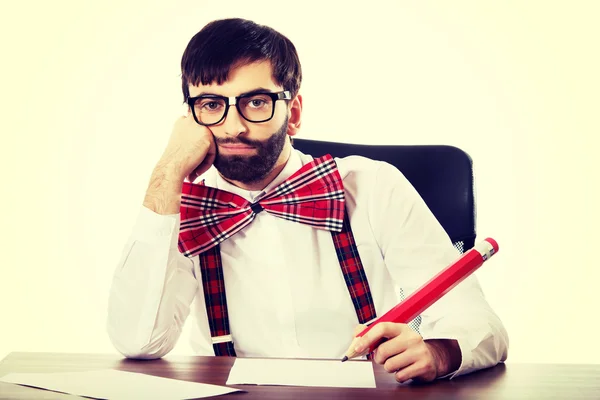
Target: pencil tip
345	358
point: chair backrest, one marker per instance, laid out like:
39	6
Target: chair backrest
442	175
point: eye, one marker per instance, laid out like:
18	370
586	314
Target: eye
257	103
210	105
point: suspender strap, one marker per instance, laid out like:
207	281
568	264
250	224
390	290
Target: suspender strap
354	273
216	302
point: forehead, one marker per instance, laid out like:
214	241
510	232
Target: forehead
241	79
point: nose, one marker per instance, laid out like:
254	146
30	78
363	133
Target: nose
234	123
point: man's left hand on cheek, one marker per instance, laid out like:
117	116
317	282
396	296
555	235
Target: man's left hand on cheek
408	356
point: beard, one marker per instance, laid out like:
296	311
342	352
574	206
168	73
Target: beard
251	169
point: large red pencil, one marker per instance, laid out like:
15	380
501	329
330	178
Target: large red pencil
432	290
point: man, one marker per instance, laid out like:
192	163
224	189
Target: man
264	285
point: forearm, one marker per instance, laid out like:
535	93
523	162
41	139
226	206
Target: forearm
163	195
152	289
145	321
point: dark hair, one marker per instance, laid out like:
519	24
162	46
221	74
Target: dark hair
224	44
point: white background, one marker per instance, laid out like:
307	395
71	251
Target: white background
90	91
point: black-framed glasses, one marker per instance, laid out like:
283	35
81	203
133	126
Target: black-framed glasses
211	109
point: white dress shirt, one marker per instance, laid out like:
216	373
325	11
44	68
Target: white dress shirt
286	294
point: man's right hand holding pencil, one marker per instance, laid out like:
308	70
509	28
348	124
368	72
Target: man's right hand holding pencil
405	354
403	351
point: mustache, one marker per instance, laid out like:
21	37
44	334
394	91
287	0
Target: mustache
238	140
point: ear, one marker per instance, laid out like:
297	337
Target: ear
295	115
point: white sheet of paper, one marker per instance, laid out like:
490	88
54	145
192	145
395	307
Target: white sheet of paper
115	384
330	373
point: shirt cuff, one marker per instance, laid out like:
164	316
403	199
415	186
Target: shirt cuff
466	363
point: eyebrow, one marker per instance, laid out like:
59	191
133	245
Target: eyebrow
250	92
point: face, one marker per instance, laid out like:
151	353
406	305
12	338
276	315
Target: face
248	152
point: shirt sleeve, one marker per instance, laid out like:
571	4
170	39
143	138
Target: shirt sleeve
415	247
152	289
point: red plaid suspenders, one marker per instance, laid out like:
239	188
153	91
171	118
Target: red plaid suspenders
216	302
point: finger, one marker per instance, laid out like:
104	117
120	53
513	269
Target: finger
185	110
419	371
390	348
206	163
193	175
383	330
212	150
408	340
397	361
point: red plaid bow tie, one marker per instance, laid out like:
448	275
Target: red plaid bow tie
313	195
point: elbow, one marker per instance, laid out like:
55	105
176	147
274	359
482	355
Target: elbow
134	352
131	347
138	354
493	347
502	343
499	340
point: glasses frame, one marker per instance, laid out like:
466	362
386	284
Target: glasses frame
234	101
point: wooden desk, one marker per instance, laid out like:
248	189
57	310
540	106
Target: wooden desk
512	381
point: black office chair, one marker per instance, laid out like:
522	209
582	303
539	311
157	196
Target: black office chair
442	175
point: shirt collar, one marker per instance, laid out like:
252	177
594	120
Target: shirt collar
293	164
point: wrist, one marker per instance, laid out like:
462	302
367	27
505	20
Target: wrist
446	355
163	195
169	171
166	179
